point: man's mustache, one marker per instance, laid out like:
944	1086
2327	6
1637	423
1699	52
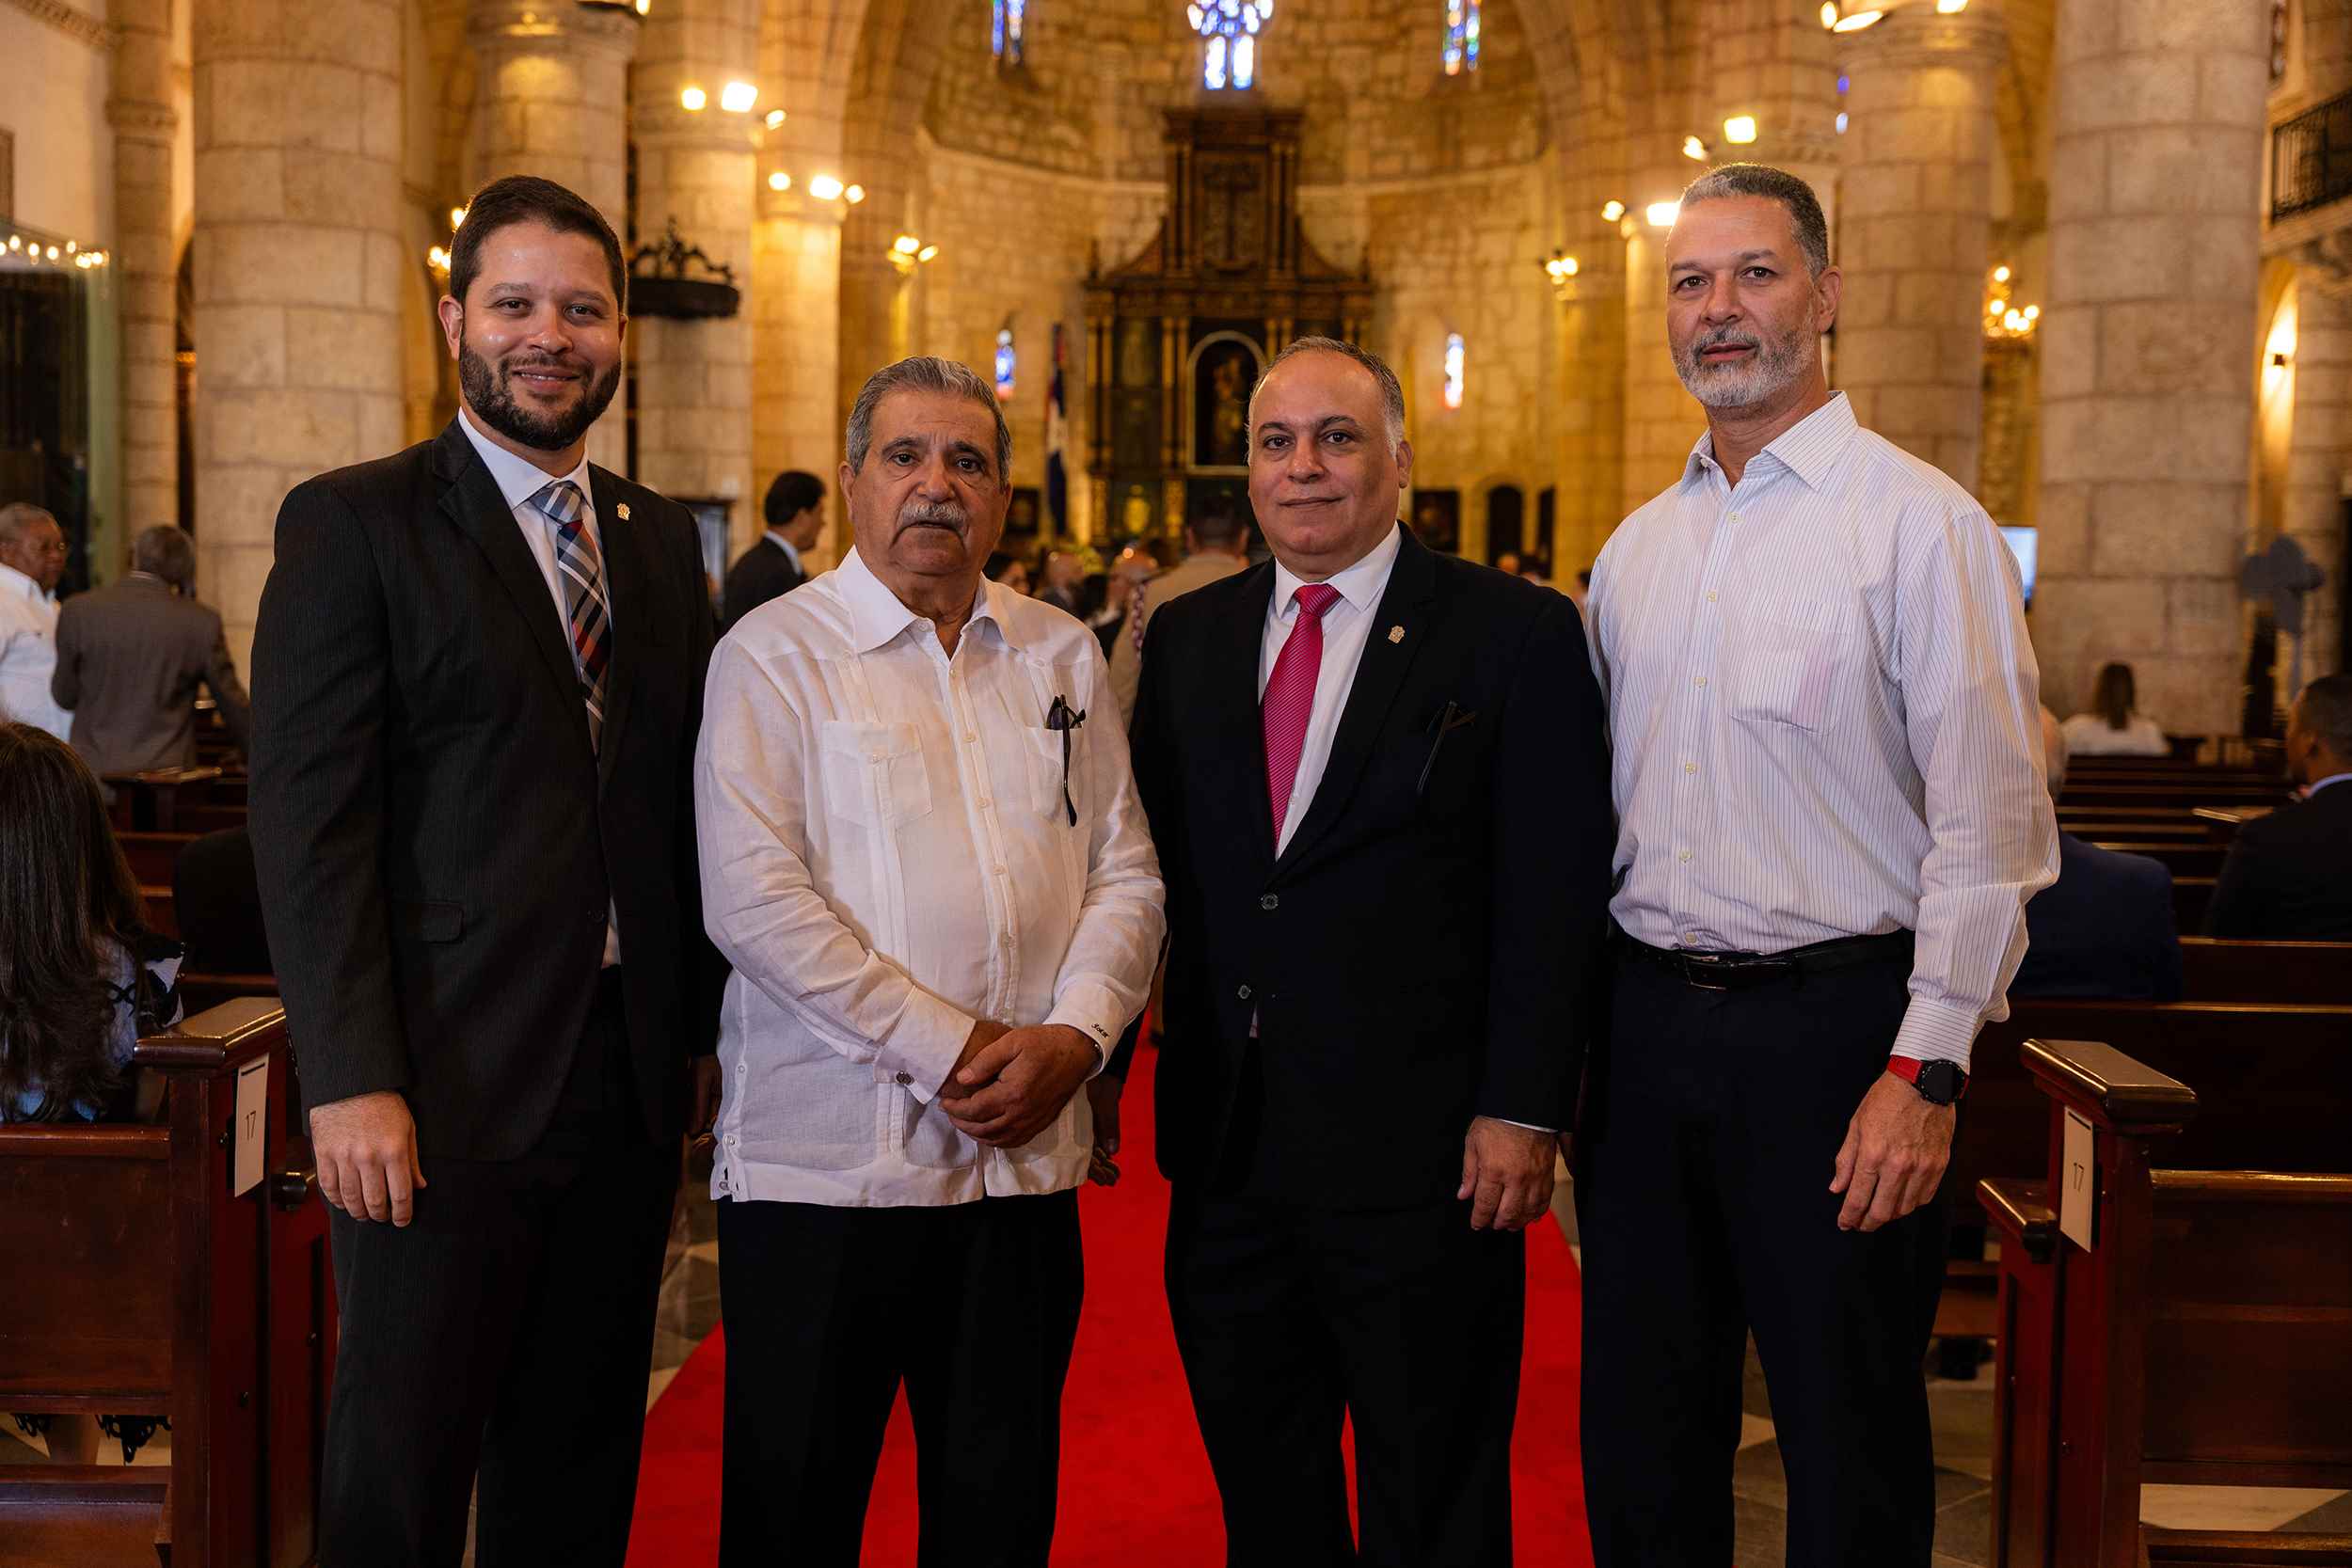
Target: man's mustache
935	514
1724	339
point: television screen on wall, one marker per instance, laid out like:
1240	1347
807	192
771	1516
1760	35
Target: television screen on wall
2022	544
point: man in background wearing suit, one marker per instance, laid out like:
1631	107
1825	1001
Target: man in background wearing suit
131	655
478	681
2104	929
1214	549
2289	875
1378	989
772	566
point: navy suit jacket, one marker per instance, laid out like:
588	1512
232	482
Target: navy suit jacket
2104	929
2289	874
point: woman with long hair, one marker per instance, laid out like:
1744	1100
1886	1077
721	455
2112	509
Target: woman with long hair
81	978
2115	727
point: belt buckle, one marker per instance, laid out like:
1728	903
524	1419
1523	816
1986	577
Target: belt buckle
1702	971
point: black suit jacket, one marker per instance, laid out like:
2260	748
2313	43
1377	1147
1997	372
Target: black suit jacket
436	841
2289	874
762	573
2104	929
1426	948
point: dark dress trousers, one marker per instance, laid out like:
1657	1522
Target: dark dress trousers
2288	877
1424	951
2104	929
438	843
762	573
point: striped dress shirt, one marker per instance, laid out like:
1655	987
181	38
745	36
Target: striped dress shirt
1824	719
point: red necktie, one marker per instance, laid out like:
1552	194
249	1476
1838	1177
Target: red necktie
1290	698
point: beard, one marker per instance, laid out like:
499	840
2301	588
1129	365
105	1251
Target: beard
1778	364
489	392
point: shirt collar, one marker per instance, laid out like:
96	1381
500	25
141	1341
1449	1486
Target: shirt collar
877	616
1808	449
785	545
1360	585
2321	784
517	479
21	585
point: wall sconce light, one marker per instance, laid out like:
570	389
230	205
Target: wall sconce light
1561	268
1856	23
1612	210
1740	128
437	259
645	7
779	181
695	99
853	195
1829	14
907	253
1661	214
1951	8
2000	273
737	98
1695	148
456	218
824	187
2279	361
775	117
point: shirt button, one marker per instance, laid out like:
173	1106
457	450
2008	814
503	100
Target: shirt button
1733	519
1702	680
1689	939
1243	993
986	802
998	869
969	737
1710	595
906	1077
1690	768
1270	901
1682	854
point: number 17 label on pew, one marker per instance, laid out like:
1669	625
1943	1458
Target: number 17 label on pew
2080	1183
252	1122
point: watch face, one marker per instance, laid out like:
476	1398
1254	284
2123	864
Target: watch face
1939	1083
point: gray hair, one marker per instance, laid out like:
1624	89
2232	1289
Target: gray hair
18	517
1774	185
1391	390
165	552
925	373
2324	708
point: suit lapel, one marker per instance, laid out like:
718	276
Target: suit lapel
1232	685
629	589
1378	675
474	503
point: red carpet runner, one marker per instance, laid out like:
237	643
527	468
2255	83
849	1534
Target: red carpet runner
1136	1486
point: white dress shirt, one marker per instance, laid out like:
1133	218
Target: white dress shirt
1824	719
1346	627
886	857
519	481
28	655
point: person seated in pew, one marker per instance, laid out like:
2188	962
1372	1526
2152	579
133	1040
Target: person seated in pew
217	897
81	978
2288	877
2104	927
2115	727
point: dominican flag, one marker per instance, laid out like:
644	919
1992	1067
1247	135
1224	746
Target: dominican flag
1056	433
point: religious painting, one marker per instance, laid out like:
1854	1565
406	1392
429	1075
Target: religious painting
1221	378
1438	520
1023	512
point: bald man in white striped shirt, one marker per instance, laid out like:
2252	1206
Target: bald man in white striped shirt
1825	728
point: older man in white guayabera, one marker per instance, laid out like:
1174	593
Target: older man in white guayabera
32	558
1826	749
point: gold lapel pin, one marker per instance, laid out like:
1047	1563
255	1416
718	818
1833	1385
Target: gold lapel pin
1396	634
622	511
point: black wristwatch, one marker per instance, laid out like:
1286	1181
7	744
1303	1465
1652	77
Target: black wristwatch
1939	1083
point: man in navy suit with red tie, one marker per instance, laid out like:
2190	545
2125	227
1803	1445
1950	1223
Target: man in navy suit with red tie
1378	784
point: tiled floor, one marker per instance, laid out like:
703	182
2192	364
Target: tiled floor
1962	1412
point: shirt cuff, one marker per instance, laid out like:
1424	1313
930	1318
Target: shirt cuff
1933	1032
1088	1006
925	1047
1528	1124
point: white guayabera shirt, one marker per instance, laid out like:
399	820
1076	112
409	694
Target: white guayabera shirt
887	855
1823	719
28	655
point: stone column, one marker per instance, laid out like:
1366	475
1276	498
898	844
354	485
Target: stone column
700	167
145	266
1914	235
1661	419
298	266
2312	513
549	89
796	334
2147	342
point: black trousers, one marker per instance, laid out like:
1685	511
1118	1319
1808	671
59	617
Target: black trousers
1406	1321
1711	1126
973	1306
508	1331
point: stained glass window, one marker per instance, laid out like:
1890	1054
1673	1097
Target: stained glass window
1453	366
1004	363
1229	30
1006	30
1461	35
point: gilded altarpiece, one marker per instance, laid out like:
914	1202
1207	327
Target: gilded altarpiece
1177	336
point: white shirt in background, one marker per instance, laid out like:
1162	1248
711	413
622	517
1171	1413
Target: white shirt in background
28	655
886	857
1824	719
2088	735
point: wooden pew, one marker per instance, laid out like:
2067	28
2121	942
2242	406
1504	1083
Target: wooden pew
152	856
163	914
2217	968
2181	859
2083	822
2191	897
2267	792
202	988
151	802
144	1289
2200	1339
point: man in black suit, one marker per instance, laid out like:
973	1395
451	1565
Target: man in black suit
771	567
2104	929
478	677
2289	874
1378	784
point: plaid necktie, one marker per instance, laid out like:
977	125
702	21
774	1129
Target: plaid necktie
1135	613
581	573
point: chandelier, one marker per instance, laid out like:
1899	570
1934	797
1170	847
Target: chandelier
1231	28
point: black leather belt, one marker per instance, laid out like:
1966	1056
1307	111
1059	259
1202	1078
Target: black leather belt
1716	971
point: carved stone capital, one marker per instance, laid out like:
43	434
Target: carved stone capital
78	25
1917	36
552	24
140	120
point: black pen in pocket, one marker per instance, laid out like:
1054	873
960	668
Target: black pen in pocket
1451	718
